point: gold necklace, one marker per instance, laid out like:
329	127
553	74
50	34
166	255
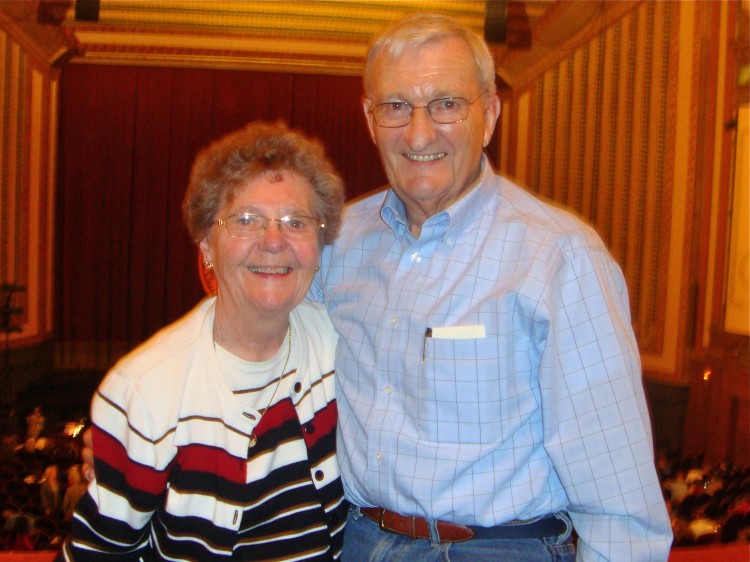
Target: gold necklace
253	437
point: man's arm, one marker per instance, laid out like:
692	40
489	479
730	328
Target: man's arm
597	427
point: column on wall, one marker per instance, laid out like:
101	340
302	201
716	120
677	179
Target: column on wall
29	90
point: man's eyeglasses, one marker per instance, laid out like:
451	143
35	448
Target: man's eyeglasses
444	111
250	225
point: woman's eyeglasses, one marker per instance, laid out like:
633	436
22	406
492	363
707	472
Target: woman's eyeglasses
251	225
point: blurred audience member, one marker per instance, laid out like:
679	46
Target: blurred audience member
18	536
50	492
76	488
28	452
35	423
676	487
8	447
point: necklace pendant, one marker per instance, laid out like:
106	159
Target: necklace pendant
253	440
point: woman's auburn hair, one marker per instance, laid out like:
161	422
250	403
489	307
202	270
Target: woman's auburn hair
230	162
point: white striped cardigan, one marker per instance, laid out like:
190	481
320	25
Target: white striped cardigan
176	479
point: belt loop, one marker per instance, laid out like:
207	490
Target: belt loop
565	518
381	523
434	533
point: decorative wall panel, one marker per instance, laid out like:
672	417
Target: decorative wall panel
27	122
601	128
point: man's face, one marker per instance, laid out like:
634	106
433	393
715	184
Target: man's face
430	165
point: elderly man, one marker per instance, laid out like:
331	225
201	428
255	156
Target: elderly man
489	383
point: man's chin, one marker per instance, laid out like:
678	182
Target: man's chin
422	189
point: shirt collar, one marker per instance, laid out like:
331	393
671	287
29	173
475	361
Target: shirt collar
451	221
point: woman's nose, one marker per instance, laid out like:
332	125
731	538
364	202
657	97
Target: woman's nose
273	234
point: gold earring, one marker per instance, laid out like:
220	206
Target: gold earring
208	264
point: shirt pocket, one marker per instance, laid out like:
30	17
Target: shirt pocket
459	391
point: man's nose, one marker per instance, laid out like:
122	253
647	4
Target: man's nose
421	129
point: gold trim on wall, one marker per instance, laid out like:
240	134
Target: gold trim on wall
304	36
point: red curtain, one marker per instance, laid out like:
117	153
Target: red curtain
128	135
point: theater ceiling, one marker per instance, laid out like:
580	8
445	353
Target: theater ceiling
328	36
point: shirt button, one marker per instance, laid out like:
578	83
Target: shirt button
319	475
388	389
415	257
309	428
297	387
394	320
378	456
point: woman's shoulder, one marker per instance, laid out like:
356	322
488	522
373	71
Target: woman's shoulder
161	359
177	336
313	315
312	321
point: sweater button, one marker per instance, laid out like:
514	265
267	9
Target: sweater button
319	475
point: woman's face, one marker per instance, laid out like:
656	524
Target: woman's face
272	273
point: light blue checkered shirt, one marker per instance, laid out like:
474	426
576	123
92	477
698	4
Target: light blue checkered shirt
545	413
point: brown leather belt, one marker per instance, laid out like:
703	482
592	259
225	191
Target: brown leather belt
418	528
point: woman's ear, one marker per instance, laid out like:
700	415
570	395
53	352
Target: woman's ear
205	250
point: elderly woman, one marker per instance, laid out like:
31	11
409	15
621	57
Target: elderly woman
215	439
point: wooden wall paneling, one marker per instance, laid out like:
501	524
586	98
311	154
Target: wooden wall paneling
580	96
706	99
635	224
688	139
539	163
26	189
509	138
737	315
606	98
34	204
718	420
547	145
27	128
561	184
600	127
14	86
619	178
662	359
612	121
50	254
659	273
593	77
654	154
523	140
602	76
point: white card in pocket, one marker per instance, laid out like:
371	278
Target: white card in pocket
456	332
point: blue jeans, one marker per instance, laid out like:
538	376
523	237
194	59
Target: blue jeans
364	541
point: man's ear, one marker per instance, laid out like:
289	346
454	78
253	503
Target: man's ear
366	105
491	115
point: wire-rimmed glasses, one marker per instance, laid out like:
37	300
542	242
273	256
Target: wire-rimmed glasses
252	225
444	111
